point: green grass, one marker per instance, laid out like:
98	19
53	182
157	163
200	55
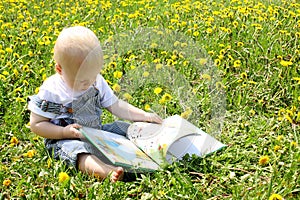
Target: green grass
248	42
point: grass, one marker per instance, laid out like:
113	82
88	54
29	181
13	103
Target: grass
251	91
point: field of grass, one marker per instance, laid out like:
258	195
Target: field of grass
230	67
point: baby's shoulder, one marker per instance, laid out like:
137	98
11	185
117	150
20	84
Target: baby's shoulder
53	89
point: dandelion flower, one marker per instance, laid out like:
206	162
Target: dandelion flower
186	113
167	97
277	147
285	63
237	63
279	138
263	160
29	154
6	182
127	96
157	90
116	87
146	74
14	141
294	144
275	197
118	74
63	176
147	107
158	66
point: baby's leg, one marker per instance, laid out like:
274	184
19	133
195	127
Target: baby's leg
92	165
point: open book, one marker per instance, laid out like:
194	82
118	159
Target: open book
148	145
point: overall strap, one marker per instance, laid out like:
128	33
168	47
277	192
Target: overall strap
48	106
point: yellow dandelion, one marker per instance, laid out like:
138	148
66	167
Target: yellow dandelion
277	147
263	160
147	107
285	63
206	76
240	44
127	96
167	97
196	33
158	66
116	87
157	90
37	90
14	141
275	197
63	176
279	138
146	74
244	75
237	63
118	74
6	182
217	62
186	113
202	61
294	144
29	154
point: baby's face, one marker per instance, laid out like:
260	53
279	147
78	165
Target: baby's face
82	78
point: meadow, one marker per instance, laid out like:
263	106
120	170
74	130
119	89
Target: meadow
230	67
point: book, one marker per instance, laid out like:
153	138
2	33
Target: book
148	146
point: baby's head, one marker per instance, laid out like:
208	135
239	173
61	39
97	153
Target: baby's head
78	57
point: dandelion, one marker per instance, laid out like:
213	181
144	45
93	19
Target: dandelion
279	138
186	113
217	62
244	75
29	154
285	63
240	44
132	67
277	147
166	97
237	63
263	160
147	107
37	90
63	176
294	144
118	74
6	182
157	90
196	33
146	74
14	141
158	66
116	87
206	76
202	61
127	96
275	197
9	50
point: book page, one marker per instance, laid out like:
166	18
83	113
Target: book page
172	139
119	150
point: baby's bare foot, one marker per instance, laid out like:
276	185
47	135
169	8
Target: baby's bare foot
117	174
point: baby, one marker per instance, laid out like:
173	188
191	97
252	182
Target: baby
74	97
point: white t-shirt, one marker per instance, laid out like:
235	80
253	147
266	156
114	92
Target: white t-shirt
55	90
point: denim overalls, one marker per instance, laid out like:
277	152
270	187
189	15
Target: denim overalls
86	111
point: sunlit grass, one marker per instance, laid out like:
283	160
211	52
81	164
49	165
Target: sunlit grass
254	46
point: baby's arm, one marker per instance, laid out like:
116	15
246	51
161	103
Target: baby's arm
43	127
127	111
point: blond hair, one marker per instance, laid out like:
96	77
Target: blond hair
75	46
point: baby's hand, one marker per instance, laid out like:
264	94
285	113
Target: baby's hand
71	131
153	117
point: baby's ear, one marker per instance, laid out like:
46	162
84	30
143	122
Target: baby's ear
58	68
